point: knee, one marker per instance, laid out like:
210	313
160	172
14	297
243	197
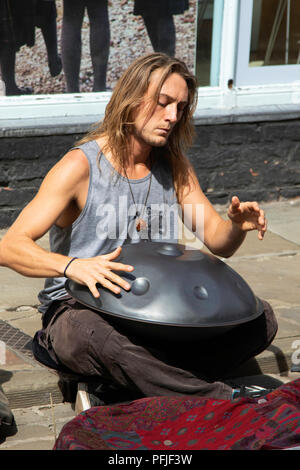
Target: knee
70	342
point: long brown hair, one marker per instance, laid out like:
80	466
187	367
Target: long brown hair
118	122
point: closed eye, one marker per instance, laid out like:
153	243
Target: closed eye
180	107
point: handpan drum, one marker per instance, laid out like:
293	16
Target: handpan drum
176	294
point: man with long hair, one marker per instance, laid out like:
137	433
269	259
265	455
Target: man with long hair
135	158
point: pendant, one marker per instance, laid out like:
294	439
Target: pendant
140	225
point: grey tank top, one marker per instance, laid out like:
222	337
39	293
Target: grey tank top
108	219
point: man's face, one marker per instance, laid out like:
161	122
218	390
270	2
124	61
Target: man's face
155	129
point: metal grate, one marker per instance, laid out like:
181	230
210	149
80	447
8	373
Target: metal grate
39	395
16	339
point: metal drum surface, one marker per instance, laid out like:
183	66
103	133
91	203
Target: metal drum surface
176	294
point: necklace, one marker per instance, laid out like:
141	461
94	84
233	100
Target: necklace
140	223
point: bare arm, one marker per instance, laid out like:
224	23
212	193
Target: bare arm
19	250
222	237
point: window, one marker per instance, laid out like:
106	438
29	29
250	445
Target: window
268	42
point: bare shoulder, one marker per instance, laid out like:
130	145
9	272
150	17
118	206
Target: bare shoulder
69	172
73	164
76	156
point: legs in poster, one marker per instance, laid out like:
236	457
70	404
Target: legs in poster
99	41
46	20
17	28
161	32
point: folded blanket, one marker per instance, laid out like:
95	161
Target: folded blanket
189	423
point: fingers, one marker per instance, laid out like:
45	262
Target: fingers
106	260
260	219
101	270
98	274
114	254
235	204
93	289
262	225
92	285
111	276
113	265
248	215
106	279
235	201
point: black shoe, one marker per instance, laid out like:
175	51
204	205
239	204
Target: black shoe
19	91
253	391
55	66
7	421
7	428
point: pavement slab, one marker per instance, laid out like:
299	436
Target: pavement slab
38	426
284	219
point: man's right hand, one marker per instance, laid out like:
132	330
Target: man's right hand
99	270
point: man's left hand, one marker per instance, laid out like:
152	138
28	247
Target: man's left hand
247	216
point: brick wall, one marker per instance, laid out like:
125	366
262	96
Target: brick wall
24	161
257	161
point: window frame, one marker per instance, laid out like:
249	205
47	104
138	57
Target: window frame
267	75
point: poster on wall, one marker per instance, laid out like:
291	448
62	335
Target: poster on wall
77	46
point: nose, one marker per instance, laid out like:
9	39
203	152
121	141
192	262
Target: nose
171	113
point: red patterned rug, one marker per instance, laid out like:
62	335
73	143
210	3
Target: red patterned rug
185	423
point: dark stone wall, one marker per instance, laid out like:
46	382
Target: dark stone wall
256	161
24	161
